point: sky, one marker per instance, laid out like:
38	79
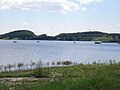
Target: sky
60	16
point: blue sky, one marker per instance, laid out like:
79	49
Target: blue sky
60	16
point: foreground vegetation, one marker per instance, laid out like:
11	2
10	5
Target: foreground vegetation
80	77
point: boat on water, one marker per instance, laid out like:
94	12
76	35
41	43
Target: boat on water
98	42
38	41
14	41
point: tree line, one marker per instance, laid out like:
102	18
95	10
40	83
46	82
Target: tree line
79	36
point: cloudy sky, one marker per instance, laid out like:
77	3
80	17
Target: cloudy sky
60	16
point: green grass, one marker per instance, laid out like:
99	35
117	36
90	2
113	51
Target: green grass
81	77
20	73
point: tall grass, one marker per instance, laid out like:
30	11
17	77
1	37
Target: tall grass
80	77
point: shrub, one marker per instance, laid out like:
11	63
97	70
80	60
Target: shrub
40	73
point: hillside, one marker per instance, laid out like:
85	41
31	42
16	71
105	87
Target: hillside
79	36
89	36
83	36
19	34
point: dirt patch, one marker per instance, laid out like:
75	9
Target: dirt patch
25	78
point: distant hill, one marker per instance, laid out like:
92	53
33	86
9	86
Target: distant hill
89	36
83	36
19	34
43	37
79	36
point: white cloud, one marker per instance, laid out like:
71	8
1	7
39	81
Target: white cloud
84	9
49	5
88	1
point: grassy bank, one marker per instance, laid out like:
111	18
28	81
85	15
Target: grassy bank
80	77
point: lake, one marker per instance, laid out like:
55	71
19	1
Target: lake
81	52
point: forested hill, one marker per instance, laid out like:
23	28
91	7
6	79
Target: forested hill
89	36
19	34
25	35
79	36
82	36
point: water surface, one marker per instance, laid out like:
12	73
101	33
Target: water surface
81	51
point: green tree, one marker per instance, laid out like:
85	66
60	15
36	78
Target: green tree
20	65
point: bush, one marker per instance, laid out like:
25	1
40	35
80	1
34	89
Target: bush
39	73
66	63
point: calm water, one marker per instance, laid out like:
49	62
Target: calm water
27	51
